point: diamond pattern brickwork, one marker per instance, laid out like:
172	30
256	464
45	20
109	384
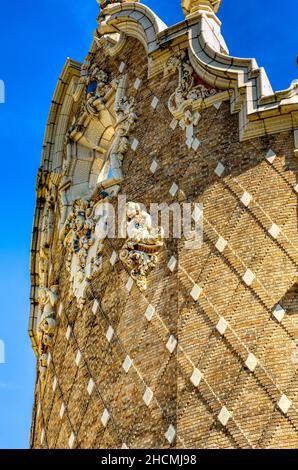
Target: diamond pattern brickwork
220	385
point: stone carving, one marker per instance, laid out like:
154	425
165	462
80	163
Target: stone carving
126	118
143	243
46	240
83	235
188	97
98	89
78	234
47	299
186	90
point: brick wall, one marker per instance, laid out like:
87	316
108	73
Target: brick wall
251	397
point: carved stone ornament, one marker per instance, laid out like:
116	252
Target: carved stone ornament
140	251
46	240
188	97
126	119
83	235
47	300
99	91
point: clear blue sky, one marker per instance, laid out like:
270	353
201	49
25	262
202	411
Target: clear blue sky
35	38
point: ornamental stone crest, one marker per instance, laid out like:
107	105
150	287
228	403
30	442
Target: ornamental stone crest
140	251
47	300
188	96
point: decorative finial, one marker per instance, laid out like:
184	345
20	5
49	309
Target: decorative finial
191	6
105	3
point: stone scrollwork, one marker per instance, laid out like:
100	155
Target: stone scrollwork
47	300
140	251
188	97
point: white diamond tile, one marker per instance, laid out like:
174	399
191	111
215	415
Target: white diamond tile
278	313
173	189
172	263
95	307
196	144
284	404
110	333
55	383
171	344
68	332
149	312
113	258
154	166
196	377
270	156
221	244
173	124
219	170
246	199
248	277
251	362
90	386
198	212
182	124
196	292
122	67
78	358
222	326
137	83
71	440
60	310
124	446
127	364
105	418
148	395
274	231
129	284
62	410
217	105
154	102
134	144
224	416
170	434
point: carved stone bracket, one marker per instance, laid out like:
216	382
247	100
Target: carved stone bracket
140	251
47	300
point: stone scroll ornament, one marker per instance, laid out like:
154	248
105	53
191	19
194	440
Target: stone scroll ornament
187	98
140	251
47	300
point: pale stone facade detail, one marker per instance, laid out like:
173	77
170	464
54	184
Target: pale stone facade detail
165	346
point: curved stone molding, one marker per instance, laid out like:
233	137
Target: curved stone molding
134	20
47	298
139	253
